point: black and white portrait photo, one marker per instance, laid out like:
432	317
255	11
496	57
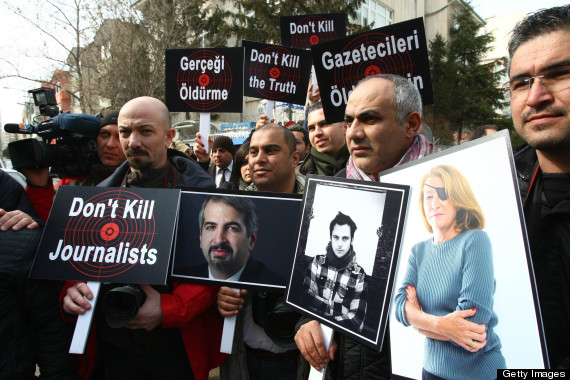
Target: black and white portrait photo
346	254
235	239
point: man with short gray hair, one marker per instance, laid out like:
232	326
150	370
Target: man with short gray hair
382	118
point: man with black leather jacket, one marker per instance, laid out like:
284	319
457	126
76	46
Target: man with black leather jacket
539	92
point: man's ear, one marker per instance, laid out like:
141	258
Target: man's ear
253	240
295	156
169	136
412	124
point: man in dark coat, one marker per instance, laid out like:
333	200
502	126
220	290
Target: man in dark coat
539	91
176	332
383	116
222	153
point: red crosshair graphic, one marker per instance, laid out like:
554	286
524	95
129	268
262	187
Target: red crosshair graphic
274	72
372	70
109	231
204	80
314	39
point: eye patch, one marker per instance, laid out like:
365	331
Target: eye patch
439	190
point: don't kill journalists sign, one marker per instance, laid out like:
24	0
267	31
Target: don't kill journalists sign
108	235
395	49
204	80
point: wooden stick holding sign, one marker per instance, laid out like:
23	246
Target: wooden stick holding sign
228	332
328	333
83	324
205	129
269	109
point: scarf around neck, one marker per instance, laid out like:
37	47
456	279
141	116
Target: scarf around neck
418	149
327	164
337	262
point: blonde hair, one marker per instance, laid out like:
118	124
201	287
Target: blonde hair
469	214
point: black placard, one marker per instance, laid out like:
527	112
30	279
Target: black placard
270	256
395	49
304	31
275	72
108	234
204	80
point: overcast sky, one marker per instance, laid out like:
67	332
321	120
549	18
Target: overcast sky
18	38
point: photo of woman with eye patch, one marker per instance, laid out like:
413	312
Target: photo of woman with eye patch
448	290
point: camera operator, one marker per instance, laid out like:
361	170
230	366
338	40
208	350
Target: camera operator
176	332
40	188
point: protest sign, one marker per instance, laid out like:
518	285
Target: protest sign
306	30
204	80
108	234
257	250
395	49
484	267
347	254
275	72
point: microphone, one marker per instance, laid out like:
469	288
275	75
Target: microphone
25	129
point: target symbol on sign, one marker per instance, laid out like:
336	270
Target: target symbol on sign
109	231
274	72
372	70
204	80
314	39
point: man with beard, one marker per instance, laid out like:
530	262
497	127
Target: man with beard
539	91
335	282
176	332
228	233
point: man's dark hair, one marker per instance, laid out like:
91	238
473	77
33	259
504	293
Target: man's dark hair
482	131
241	153
342	220
317	106
298	128
287	135
543	22
244	206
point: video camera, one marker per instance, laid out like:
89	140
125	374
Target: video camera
69	143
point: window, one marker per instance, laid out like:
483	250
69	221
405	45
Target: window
373	12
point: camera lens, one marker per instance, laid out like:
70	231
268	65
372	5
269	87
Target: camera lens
122	303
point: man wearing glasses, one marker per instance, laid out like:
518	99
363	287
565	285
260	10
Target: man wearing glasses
539	91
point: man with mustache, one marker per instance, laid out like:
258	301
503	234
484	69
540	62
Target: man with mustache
539	92
176	332
228	233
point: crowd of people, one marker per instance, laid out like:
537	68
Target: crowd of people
176	333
